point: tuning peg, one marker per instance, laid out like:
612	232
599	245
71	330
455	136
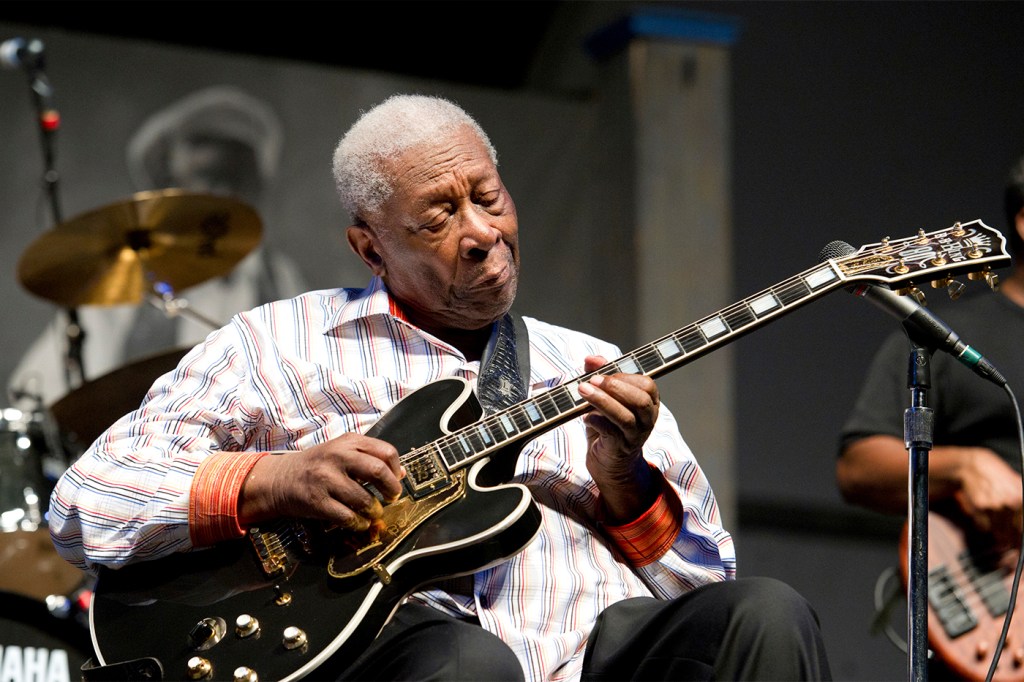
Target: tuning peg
991	278
914	293
953	287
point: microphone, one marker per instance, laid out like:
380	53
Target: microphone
922	325
19	53
29	55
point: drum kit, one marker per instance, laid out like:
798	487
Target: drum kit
141	250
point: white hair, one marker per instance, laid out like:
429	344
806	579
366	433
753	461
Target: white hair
386	131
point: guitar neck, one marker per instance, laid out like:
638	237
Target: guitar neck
910	261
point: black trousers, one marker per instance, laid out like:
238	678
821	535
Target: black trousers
748	629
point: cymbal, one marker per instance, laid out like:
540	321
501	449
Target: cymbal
153	242
87	411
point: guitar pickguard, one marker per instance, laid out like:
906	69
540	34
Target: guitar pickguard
365	550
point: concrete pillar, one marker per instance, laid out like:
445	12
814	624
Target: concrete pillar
665	87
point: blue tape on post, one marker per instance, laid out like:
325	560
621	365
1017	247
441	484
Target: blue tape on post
665	24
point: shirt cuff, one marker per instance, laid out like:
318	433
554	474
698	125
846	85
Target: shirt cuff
647	538
213	497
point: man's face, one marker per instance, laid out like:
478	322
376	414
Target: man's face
448	236
215	165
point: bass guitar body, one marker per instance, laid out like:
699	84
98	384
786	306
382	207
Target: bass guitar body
969	588
295	597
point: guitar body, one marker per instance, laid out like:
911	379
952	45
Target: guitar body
338	592
968	598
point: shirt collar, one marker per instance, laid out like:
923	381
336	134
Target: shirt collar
371	301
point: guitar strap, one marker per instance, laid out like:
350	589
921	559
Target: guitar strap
503	382
522	350
505	365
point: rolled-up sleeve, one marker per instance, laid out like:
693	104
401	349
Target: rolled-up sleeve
129	496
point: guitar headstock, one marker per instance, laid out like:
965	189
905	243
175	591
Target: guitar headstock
971	248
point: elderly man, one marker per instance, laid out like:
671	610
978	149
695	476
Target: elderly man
592	549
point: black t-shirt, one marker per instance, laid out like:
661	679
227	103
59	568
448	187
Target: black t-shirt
968	409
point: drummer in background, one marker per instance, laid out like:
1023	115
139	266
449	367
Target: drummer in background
218	140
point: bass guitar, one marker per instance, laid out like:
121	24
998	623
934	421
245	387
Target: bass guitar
294	597
969	585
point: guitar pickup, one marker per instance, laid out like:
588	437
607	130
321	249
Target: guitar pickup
949	603
424	474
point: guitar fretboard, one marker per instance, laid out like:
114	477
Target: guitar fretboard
557	405
960	247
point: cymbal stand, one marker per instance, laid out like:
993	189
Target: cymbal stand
918	426
163	298
49	122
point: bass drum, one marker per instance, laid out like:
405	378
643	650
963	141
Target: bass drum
31	459
37	645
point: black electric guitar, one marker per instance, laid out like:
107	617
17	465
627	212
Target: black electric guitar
969	585
294	597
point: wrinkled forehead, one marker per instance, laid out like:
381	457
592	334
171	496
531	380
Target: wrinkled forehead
441	168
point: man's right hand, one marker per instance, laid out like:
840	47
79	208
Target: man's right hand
326	481
872	472
990	495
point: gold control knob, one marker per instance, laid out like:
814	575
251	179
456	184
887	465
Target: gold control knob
245	674
199	668
246	625
294	638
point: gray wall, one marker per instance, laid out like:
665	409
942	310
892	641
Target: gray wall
852	121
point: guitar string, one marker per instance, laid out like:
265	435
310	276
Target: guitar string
519	416
986	585
741	312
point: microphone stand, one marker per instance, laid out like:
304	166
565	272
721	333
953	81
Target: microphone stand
49	122
918	426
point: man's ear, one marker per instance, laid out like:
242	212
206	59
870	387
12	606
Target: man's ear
361	241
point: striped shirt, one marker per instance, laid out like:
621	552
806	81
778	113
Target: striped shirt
298	372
